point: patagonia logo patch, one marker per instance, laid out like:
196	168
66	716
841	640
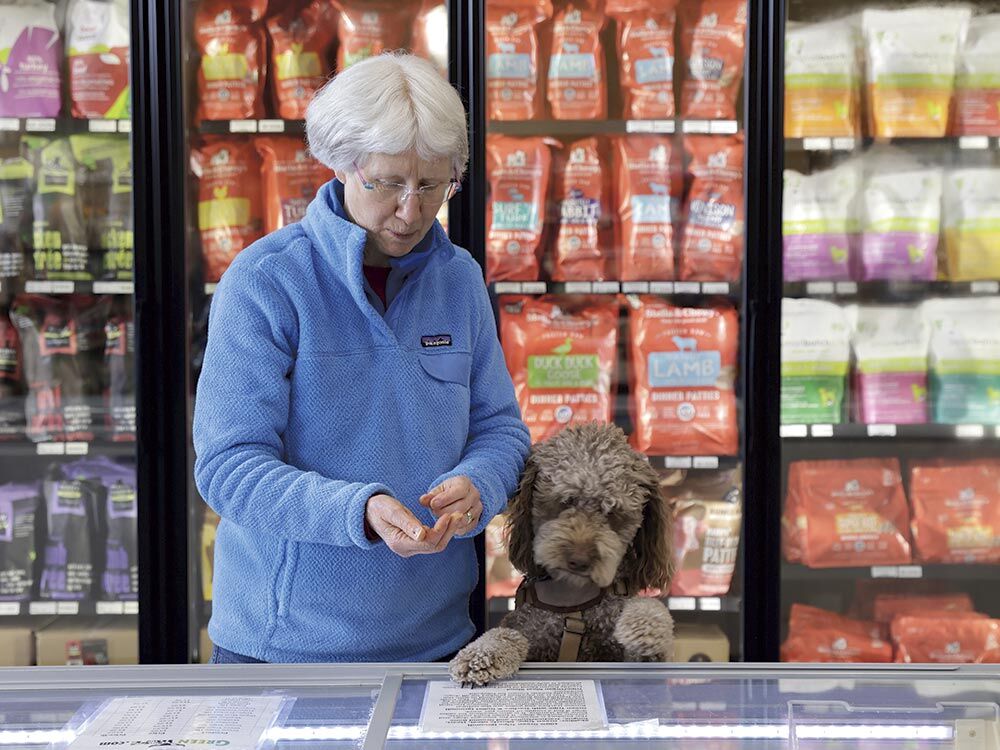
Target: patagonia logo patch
440	339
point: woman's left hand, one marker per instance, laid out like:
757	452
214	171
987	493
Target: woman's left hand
456	495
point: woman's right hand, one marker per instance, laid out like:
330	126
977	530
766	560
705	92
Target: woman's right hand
401	530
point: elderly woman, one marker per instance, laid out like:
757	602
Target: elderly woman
355	424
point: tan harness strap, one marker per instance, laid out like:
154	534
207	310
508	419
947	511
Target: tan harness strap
574	629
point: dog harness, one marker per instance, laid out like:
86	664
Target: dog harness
574	626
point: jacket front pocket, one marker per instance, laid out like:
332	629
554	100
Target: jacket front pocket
450	367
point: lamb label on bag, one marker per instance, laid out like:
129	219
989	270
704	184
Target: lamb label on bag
581	251
513	82
577	87
646	57
713	34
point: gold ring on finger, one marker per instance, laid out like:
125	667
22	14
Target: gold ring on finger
468	518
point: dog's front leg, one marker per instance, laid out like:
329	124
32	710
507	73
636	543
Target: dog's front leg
645	629
496	655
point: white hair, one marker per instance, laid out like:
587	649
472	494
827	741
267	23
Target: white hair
387	104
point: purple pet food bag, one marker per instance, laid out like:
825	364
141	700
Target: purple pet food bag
31	54
18	505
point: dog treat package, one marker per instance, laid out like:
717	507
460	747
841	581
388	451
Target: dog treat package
302	55
972	223
231	41
648	179
32	55
890	363
952	640
818	635
815	356
502	579
17	178
518	173
578	86
19	505
712	247
848	513
67	570
97	45
886	607
707	519
582	187
230	214
822	79
11	383
513	57
977	84
645	35
682	368
370	27
119	357
956	511
561	354
819	224
964	359
912	58
291	179
429	39
713	36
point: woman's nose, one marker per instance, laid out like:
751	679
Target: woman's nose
408	209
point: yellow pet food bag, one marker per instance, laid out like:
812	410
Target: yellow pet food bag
972	224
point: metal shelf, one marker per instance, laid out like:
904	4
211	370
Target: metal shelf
849	144
74	609
693	462
697	288
890	291
24	448
581	128
729	604
790	572
14	286
266	126
63	125
853	431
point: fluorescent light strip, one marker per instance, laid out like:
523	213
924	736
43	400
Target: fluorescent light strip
874	732
36	736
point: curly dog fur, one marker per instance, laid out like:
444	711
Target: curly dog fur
588	516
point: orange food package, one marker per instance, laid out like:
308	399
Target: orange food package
648	178
816	635
561	354
430	37
368	28
713	36
849	513
229	204
712	248
682	369
952	640
230	39
582	248
518	173
301	55
513	56
645	57
291	179
887	607
578	86
956	511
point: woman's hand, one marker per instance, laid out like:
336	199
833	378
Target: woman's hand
458	497
403	533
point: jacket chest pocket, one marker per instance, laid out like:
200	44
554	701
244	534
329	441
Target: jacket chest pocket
447	367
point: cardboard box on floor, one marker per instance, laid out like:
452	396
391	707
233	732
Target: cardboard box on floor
700	643
74	641
16	647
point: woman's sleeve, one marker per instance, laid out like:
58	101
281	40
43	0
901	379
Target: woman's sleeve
240	417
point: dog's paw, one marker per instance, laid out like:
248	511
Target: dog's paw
645	629
497	655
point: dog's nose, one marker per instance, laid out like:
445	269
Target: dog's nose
578	564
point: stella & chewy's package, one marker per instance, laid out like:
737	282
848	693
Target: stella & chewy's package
648	178
972	223
561	354
645	57
822	79
31	58
578	86
707	518
301	55
818	635
682	368
19	505
513	55
977	85
229	201
890	364
912	58
712	248
956	511
291	179
370	27
815	355
713	36
849	513
582	247
885	606
97	45
819	224
518	173
964	360
428	40
952	640
230	38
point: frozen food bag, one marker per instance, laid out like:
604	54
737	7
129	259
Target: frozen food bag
890	362
67	570
230	39
302	56
97	45
17	178
291	179
815	354
972	223
886	607
430	35
818	635
920	640
713	37
561	354
912	58
645	57
108	161
119	357
11	383
582	249
30	60
806	616
518	173
514	76
682	369
367	28
977	84
19	505
819	224
577	85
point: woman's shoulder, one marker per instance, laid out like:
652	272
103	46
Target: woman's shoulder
268	264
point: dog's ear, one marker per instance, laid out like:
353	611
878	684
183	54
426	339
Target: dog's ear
520	531
649	562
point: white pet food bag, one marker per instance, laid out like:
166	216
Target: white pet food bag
815	353
977	85
972	223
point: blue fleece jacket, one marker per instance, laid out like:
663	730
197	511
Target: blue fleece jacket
310	401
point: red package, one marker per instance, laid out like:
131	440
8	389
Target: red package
951	640
713	35
561	354
682	368
887	606
854	512
229	205
518	173
291	179
816	635
645	57
578	87
430	37
712	248
793	529
11	390
582	250
97	44
230	39
301	55
513	83
647	179
370	27
956	511
804	616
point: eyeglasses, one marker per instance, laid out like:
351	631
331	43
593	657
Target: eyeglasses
392	192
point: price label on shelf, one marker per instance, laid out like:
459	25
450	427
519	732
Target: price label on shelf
102	126
705	462
695	126
109	608
40	125
793	431
49	287
714	287
677	462
973	142
682	603
661	287
687	287
578	287
605	287
114	287
10	124
507	287
638	126
911	571
881	430
969	431
77	448
533	287
819	287
10	609
67	608
124	126
984	287
822	430
885	571
723	127
844	144
242	126
41	608
710	604
271	126
636	287
816	144
131	608
50	449
664	126
846	287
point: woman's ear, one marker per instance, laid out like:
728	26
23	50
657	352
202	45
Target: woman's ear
520	528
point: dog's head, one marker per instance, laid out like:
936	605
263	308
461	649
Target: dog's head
589	508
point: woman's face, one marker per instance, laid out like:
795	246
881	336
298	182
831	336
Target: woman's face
393	227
